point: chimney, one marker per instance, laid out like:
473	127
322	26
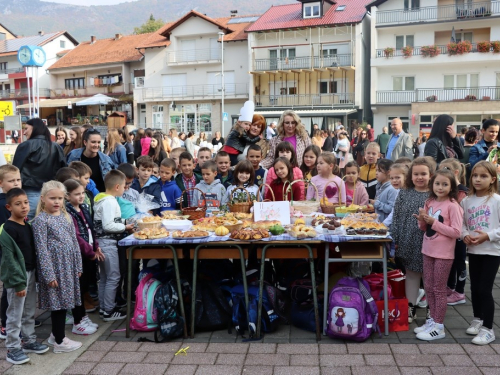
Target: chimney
118	36
41	33
92	39
234	13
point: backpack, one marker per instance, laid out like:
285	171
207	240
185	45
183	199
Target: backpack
170	321
270	319
213	311
145	313
352	312
302	315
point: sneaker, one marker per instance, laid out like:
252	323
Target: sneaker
17	357
69	319
66	346
89	322
89	307
433	332
101	312
449	291
115	314
484	337
474	327
3	333
423	303
38	323
412	313
35	347
421	295
52	340
83	329
426	326
455	298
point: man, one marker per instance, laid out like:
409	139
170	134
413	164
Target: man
315	127
400	145
383	141
370	133
270	132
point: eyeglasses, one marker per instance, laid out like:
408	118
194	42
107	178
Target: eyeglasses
290	122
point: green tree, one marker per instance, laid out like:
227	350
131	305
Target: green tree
149	26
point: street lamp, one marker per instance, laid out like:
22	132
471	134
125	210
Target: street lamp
221	35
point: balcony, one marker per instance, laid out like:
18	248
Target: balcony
441	13
232	90
305	100
22	93
194	56
417	51
19	69
439	95
304	62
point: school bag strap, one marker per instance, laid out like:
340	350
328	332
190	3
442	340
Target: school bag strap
371	304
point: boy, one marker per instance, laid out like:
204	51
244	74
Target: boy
174	155
90	190
367	173
224	167
130	196
204	154
109	228
187	179
17	271
145	182
170	192
66	173
254	156
156	171
386	194
215	192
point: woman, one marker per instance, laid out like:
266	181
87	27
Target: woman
354	140
166	142
182	139
217	139
290	129
157	151
257	129
443	142
189	143
38	159
328	144
137	142
75	136
62	137
359	148
317	139
127	143
116	151
176	142
202	138
99	163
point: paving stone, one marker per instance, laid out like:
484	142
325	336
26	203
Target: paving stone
102	346
478	349
304	360
336	371
368	349
218	370
341	360
455	371
298	348
485	360
91	356
262	348
296	370
181	369
107	368
78	368
457	360
230	359
156	357
405	349
124	357
257	370
195	359
143	368
417	360
195	347
167	347
441	349
490	370
268	359
127	346
227	348
379	360
370	370
4	365
332	349
495	347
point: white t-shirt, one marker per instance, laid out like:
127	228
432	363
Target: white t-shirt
270	133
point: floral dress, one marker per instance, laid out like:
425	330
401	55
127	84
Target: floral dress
405	231
59	259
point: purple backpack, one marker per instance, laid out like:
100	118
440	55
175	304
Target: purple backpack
352	312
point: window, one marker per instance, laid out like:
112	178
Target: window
403	41
462	36
62	44
330	52
403	83
340	8
312	10
461	80
288	91
74	83
287	52
328	87
411	4
3	66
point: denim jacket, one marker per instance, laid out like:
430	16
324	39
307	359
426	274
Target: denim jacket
105	161
479	152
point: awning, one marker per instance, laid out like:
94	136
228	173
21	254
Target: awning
51	103
97	99
312	112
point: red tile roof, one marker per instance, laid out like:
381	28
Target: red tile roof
290	16
166	32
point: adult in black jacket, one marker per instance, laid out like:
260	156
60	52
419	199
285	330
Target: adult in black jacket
443	142
38	159
328	144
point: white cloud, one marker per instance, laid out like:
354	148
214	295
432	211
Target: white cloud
89	2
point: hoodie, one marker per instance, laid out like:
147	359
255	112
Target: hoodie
4	212
215	194
367	177
151	187
107	217
12	267
170	195
384	200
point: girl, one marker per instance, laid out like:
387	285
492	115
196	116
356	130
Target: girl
353	187
146	142
284	173
342	149
441	221
59	263
244	177
156	150
202	138
386	195
116	151
309	162
458	273
481	233
75	136
327	165
127	143
317	139
406	233
89	249
62	137
137	142
285	150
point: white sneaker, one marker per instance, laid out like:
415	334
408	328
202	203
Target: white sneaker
484	337
432	333
421	300
475	325
87	320
83	329
52	340
66	346
428	323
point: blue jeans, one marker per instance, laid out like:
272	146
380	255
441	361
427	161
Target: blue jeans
33	198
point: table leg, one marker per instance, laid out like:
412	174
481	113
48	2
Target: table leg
261	288
193	294
386	298
244	277
315	292
179	287
325	285
129	289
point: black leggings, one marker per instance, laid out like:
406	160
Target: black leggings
458	272
58	318
482	271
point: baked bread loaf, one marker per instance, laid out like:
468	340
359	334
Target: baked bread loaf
265	224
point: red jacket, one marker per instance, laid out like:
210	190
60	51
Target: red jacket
277	188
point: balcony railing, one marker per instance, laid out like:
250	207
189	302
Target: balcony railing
187	92
22	93
19	69
305	100
194	56
443	50
303	62
439	95
466	11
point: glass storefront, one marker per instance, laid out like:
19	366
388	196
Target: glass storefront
194	118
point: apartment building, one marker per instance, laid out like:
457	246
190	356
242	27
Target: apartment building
184	61
313	57
431	57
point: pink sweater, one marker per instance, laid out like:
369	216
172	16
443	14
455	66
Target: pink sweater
360	194
440	238
320	183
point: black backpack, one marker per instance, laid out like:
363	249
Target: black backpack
213	311
170	321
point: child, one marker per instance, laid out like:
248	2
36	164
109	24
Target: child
215	192
174	155
254	156
145	182
59	263
66	173
342	148
130	173
407	235
156	171
285	150
404	160
386	195
310	161
89	248
284	173
481	234
327	165
157	151
170	192
187	179
224	168
204	154
441	220
109	229
367	173
353	187
243	177
397	176
458	272
17	271
90	190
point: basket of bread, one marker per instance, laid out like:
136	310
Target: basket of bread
149	222
249	234
151	234
302	231
212	223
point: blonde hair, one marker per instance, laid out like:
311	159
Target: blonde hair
401	168
454	165
300	130
49	186
491	169
114	139
373	145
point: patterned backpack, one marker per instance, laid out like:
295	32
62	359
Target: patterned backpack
145	313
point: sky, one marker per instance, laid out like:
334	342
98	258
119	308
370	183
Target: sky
89	2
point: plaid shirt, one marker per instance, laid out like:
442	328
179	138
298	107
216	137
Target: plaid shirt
302	144
189	183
